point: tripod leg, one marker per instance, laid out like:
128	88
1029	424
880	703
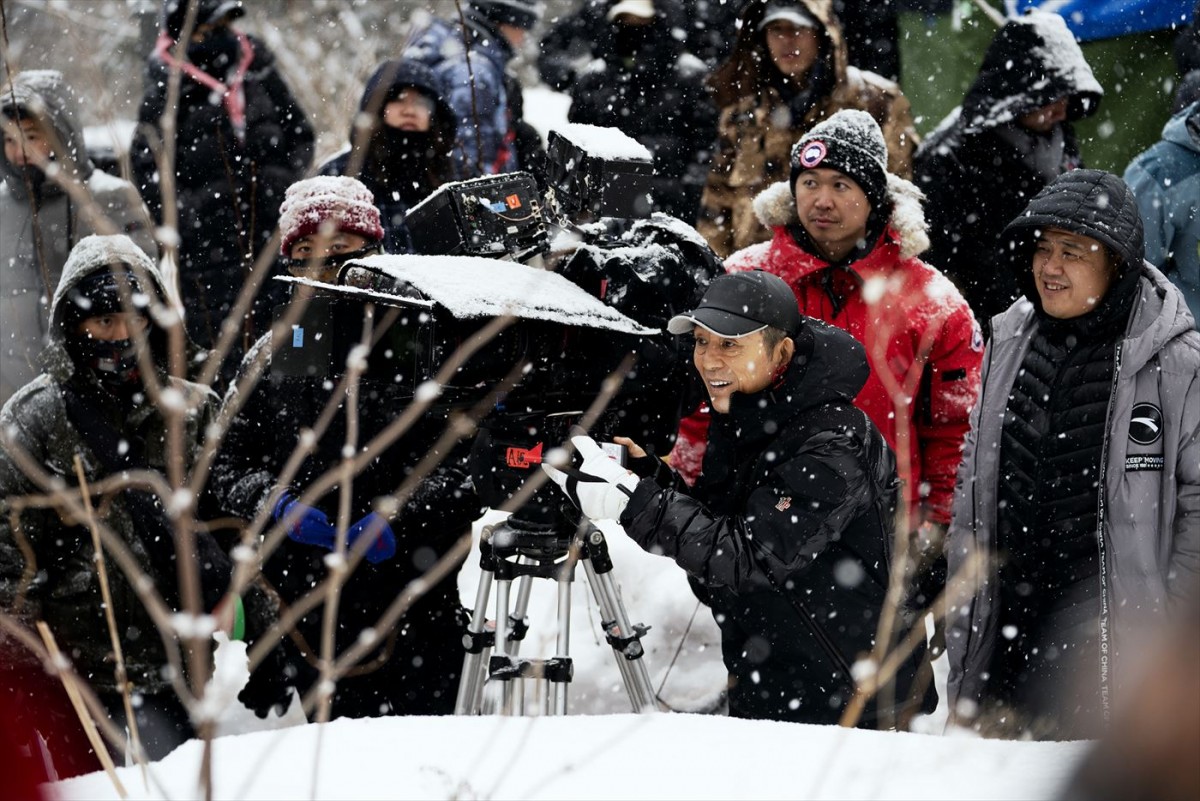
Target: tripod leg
616	624
470	687
519	612
503	591
563	643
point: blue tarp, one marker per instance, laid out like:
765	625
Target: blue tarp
1104	19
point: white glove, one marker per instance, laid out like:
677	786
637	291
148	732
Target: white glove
600	487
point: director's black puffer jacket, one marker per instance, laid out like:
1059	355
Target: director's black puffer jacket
792	516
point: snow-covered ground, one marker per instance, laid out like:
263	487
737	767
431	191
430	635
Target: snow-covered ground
585	757
601	750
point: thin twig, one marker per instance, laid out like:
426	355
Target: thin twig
962	585
85	719
122	677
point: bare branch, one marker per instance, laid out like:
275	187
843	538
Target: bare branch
85	719
123	684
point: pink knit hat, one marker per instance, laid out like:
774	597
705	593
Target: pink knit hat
341	200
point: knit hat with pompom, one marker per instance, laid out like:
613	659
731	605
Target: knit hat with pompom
342	201
850	142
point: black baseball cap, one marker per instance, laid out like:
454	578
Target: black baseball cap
742	303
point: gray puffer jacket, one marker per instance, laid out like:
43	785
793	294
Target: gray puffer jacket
47	570
1149	504
40	222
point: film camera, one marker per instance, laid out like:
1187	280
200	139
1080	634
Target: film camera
609	297
593	173
427	306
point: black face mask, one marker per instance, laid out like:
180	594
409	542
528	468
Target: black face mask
30	176
114	362
301	266
397	159
216	52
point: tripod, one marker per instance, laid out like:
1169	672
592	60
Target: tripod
517	549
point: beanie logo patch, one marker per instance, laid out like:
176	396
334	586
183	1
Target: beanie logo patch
812	154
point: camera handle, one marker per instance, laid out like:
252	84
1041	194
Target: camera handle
505	555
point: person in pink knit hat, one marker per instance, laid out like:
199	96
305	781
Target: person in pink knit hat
327	225
325	222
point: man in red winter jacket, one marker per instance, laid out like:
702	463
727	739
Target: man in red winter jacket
846	238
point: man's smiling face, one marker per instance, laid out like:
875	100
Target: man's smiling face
1072	272
744	364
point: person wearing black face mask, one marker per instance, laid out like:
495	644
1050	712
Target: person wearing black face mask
241	139
88	417
101	335
403	152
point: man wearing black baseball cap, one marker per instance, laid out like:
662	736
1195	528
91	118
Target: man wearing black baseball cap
785	535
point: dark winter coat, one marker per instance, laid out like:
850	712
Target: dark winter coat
758	125
979	168
644	84
1166	181
422	658
400	168
1146	500
47	570
872	30
569	44
40	222
473	77
228	187
792	518
918	332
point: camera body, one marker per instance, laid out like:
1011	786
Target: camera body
608	299
495	216
568	341
592	172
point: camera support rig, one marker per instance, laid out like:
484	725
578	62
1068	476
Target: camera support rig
507	552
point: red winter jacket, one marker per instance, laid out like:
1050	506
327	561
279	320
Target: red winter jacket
921	338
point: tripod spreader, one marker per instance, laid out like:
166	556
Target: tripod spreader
516	550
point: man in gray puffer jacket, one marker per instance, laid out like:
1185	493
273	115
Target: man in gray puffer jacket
1080	479
41	218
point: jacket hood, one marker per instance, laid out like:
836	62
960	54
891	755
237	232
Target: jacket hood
1033	61
1161	315
1090	203
834	362
1183	129
90	255
393	75
44	95
775	206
